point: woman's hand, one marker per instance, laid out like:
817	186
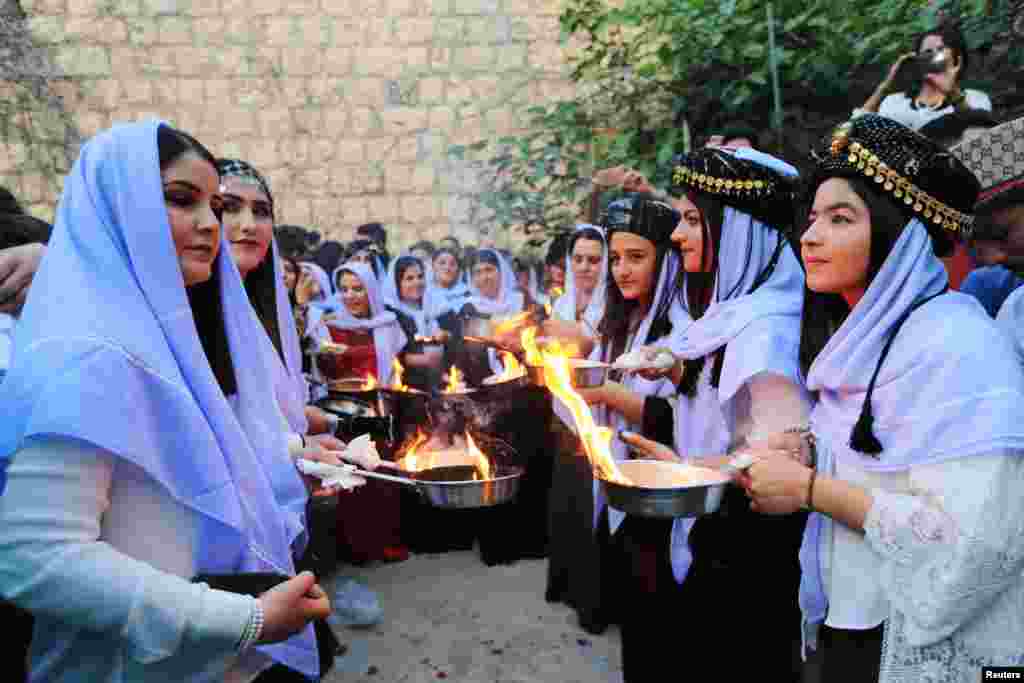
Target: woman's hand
289	606
776	483
651	354
793	444
651	450
890	80
322	448
18	265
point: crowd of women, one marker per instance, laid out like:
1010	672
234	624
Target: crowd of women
157	393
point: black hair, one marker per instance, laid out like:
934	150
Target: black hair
19	229
203	297
329	255
614	326
374	232
172	143
823	313
592	234
694	290
356	246
8	202
403	264
558	249
953	39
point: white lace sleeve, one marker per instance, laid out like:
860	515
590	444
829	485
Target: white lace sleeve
953	568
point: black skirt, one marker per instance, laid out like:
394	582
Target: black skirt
745	583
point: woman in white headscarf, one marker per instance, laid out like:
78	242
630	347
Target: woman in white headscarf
367	340
493	291
367	335
638	312
738	382
408	296
448	282
137	394
577	313
913	558
494	295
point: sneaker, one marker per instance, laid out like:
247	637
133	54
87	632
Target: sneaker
353	604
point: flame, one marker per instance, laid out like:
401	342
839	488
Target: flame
556	292
399	372
409	458
371	382
596	440
483	465
511	324
513	368
456	383
547	309
529	341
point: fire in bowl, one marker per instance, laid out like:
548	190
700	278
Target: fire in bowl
666	489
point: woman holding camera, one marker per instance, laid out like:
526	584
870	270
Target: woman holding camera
937	64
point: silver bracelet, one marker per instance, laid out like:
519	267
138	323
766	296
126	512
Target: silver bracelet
253	628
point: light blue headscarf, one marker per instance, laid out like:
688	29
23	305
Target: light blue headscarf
107	353
290	384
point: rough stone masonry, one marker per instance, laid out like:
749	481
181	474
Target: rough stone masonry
349	106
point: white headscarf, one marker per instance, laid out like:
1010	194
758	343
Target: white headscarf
950	386
388	337
422	315
565	306
510	300
635	383
447	298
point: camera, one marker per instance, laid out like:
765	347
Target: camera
931	62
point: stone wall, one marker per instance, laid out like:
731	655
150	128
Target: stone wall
348	106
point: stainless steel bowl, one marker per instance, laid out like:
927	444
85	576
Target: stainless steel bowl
681	501
451	487
587	374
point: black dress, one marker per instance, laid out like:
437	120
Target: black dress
742	587
574	553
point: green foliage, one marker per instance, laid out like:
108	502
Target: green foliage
650	69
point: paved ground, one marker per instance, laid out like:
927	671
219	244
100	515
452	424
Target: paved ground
450	617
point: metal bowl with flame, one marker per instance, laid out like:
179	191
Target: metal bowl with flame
459	478
666	489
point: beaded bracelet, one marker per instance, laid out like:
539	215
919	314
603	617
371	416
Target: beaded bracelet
253	628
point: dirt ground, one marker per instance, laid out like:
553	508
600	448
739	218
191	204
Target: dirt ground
449	617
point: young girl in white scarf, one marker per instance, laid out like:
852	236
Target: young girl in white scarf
913	559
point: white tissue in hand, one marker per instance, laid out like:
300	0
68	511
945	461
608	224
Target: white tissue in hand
638	360
330	476
363	452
